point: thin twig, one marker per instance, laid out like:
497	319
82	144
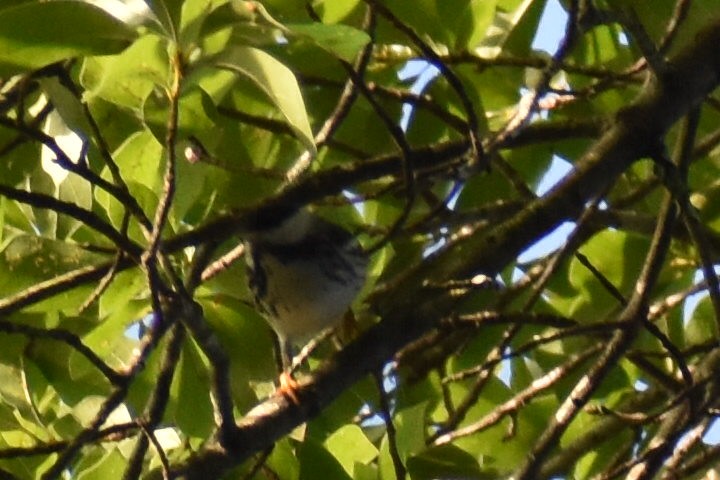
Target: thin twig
192	317
684	448
602	329
633	314
87	217
574	240
259	463
132	206
110	275
671	349
651	53
392	126
61	283
223	263
528	105
342	108
704	459
109	434
22	138
660	447
607	284
477	152
673	26
400	470
156	404
163	208
68	338
159	450
470	399
112	401
79	169
535	388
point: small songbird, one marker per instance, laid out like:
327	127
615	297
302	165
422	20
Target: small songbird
304	275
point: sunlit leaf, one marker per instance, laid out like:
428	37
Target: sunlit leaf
702	327
111	465
36	34
335	10
340	40
129	78
276	80
349	446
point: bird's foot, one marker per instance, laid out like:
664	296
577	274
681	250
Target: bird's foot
288	387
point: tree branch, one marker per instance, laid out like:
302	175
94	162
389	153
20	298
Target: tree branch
404	304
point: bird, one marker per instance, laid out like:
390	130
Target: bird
304	275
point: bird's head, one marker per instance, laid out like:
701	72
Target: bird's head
291	230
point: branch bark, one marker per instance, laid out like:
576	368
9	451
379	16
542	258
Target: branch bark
408	309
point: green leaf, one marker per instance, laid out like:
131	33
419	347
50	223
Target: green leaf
167	13
12	391
276	80
67	140
128	79
523	24
247	22
618	256
446	461
194	13
341	41
145	383
422	16
469	19
26	466
140	160
70	380
602	46
3	209
334	11
365	472
125	287
40	33
196	116
335	416
119	307
410	427
283	461
111	465
246	338
77	191
316	462
191	381
67	104
349	446
702	327
222	17
28	259
42	220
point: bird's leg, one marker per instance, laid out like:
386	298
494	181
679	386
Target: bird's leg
288	384
291	363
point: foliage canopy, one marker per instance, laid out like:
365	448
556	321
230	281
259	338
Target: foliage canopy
136	147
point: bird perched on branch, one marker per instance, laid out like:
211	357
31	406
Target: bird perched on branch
304	275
